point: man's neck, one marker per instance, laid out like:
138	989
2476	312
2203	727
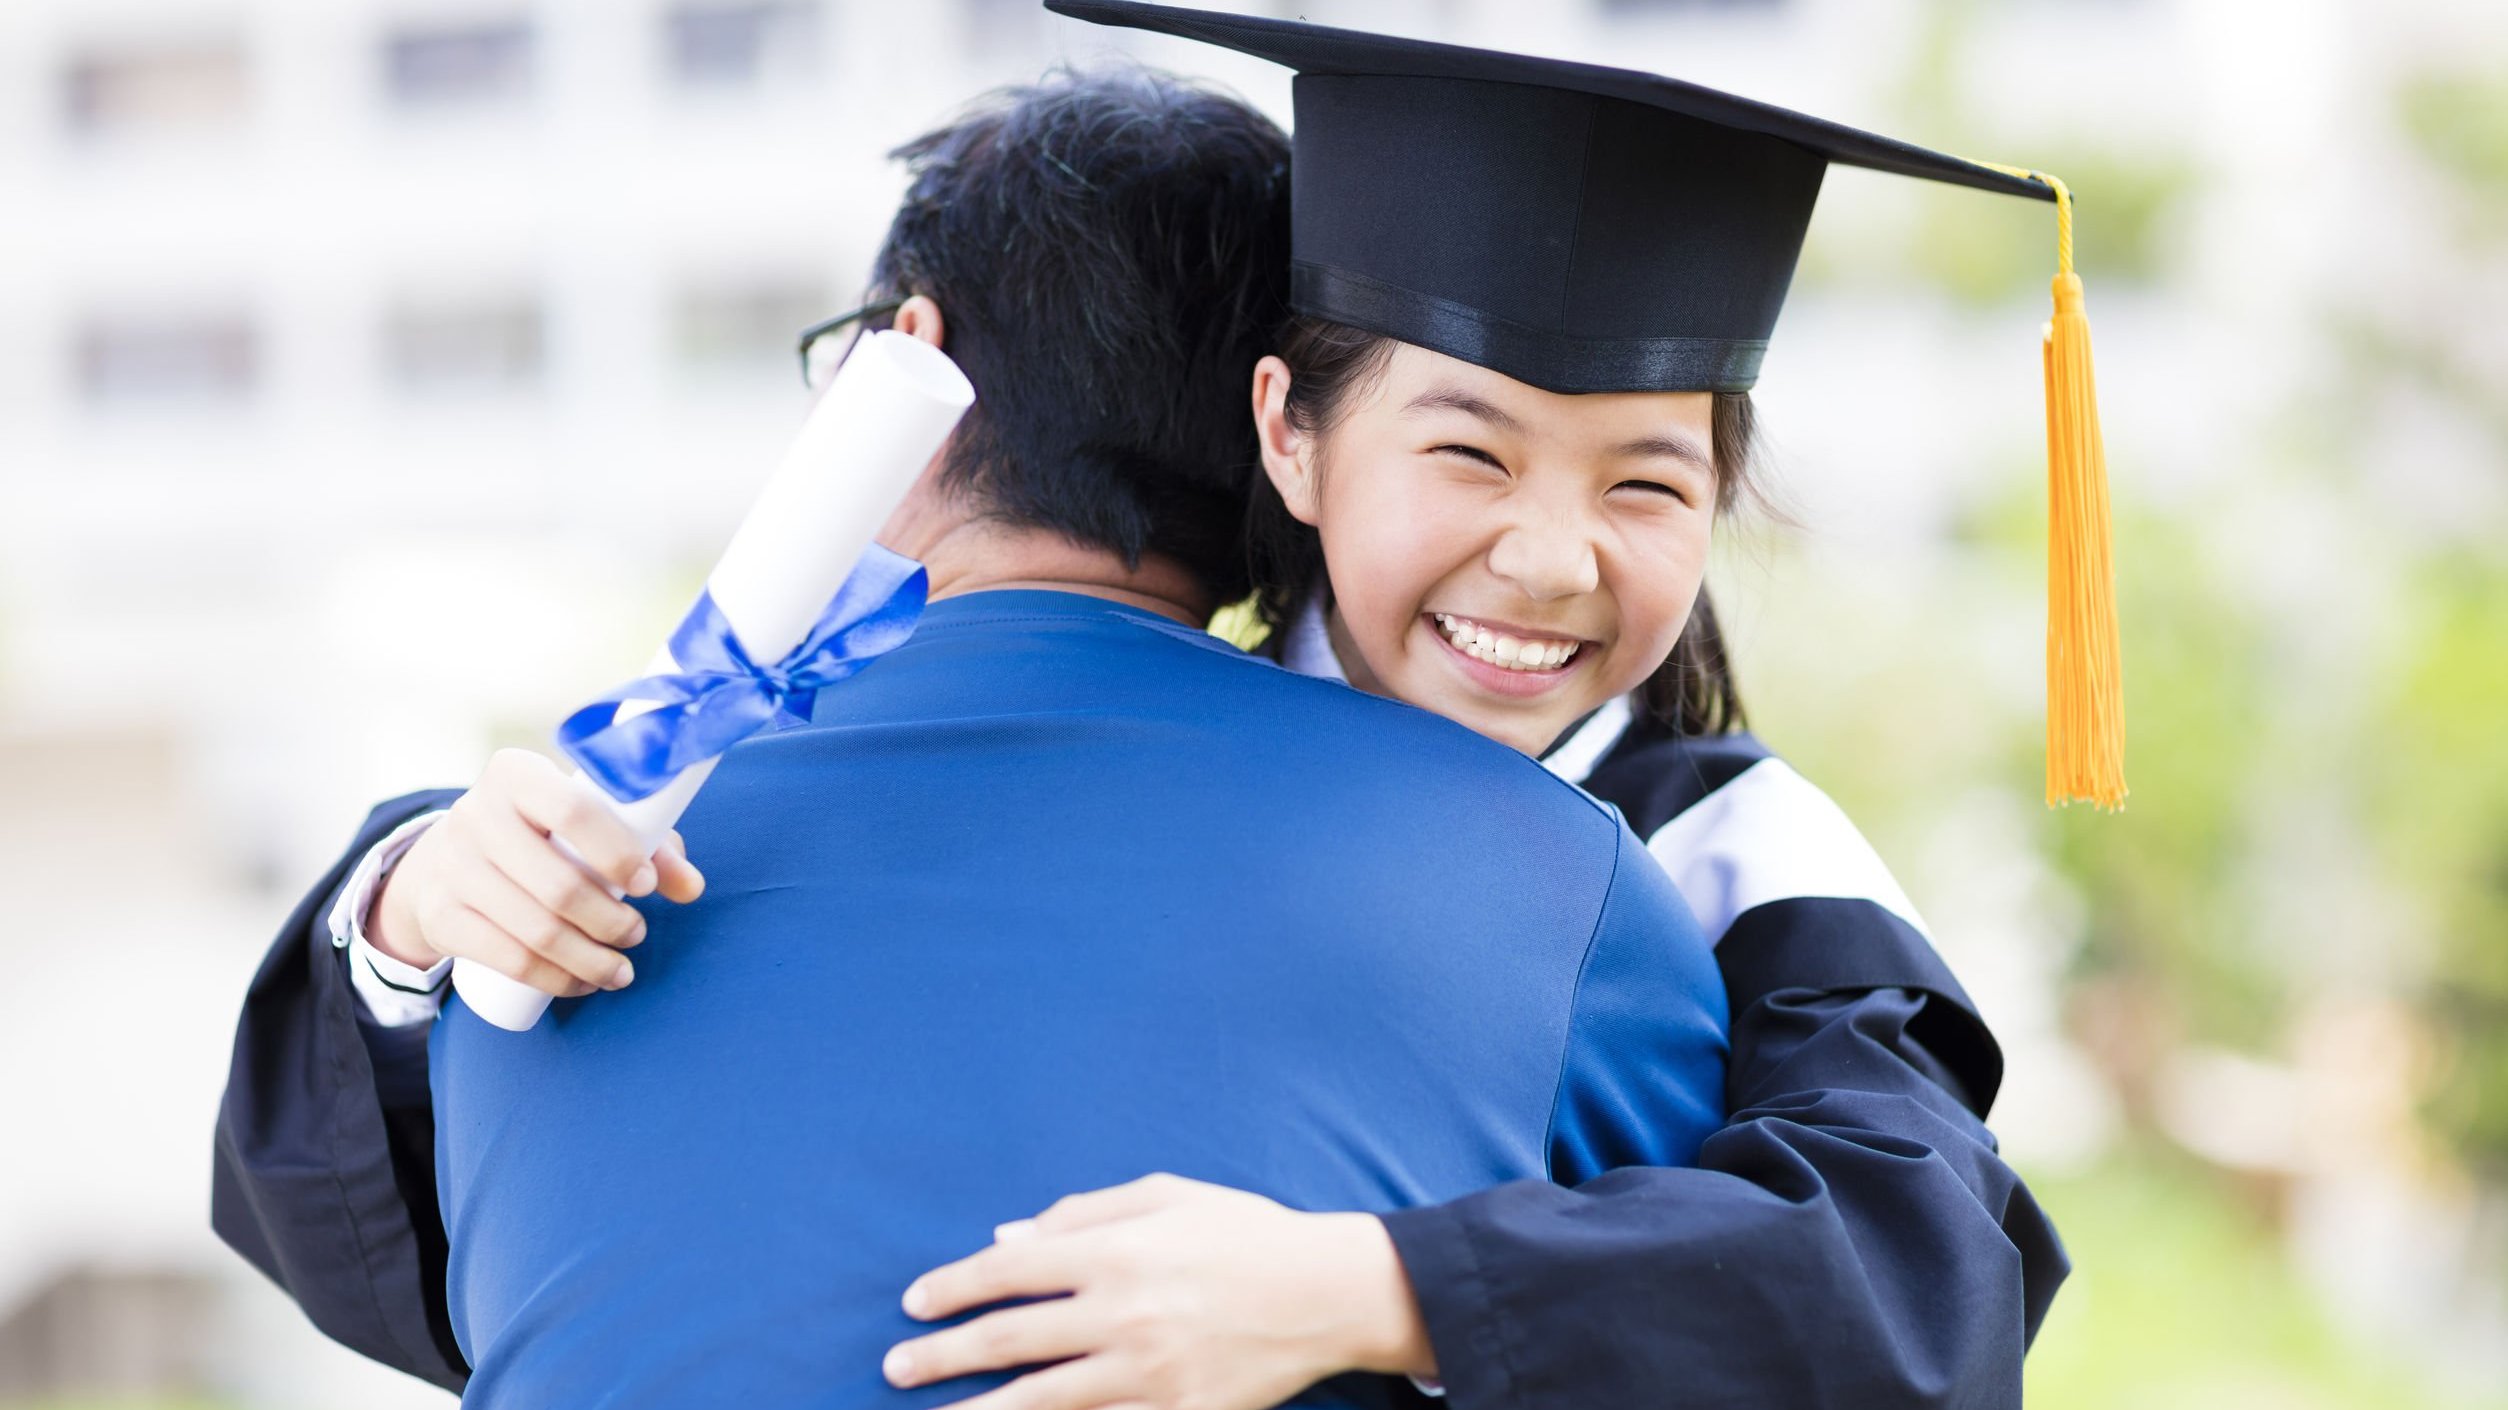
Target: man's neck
978	556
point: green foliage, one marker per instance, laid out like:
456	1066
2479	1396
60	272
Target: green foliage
183	1404
2183	1297
2460	123
2429	359
1984	250
1883	706
2155	879
1981	250
2439	795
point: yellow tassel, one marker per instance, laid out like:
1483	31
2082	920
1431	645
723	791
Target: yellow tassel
2085	705
1240	625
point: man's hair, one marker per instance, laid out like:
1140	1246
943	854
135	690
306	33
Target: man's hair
1110	252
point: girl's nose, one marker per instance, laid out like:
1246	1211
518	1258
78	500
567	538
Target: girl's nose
1546	560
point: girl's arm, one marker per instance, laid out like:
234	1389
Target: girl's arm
324	1172
1846	1236
1850	1238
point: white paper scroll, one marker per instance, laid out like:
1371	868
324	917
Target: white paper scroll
892	405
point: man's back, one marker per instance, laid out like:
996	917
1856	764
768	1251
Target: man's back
1055	895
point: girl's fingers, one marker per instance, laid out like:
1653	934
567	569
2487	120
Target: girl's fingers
1124	1201
1035	1268
997	1341
533	862
554	804
676	878
456	929
1090	1383
519	914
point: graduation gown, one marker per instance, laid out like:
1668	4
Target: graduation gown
323	1168
1849	1238
1852	1237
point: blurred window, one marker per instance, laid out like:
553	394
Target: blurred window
459	66
201	358
747	324
166	88
741	45
490	345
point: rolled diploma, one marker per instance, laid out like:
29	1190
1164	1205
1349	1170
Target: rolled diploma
892	405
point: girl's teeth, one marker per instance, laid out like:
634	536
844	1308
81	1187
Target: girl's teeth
1506	652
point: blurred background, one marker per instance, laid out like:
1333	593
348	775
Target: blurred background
378	377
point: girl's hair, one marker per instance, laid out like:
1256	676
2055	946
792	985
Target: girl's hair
1330	364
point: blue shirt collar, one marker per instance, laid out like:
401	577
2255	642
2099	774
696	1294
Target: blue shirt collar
1006	604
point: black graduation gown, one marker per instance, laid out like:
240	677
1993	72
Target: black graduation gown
1850	1238
324	1171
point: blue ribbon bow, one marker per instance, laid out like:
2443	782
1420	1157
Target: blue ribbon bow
720	697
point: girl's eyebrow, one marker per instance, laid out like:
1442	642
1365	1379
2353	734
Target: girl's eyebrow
1678	447
1681	448
1457	399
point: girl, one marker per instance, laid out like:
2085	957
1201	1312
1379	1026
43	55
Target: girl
1495	442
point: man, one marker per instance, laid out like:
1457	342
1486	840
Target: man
972	938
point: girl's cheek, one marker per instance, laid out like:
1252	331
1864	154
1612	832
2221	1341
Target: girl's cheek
1375	585
1655	602
1412	544
1665	612
1443	530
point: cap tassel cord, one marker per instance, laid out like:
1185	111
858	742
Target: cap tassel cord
2085	708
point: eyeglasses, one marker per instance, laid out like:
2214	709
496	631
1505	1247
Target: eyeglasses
821	356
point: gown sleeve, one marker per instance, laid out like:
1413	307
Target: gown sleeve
323	1174
1849	1237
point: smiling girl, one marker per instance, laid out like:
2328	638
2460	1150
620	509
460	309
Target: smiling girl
1511	558
1533	296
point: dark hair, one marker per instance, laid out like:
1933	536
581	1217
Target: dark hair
1692	693
1110	252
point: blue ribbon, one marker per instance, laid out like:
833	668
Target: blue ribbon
720	697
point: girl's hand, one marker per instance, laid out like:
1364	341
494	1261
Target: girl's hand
489	881
1181	1296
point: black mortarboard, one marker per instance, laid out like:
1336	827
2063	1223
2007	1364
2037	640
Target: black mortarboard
1580	228
1590	229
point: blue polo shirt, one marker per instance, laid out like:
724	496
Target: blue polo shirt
1055	895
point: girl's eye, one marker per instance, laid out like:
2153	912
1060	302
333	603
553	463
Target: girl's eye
1654	487
1469	453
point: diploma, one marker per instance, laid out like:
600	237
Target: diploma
890	409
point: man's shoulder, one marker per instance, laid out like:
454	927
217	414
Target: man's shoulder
1378	742
1178	723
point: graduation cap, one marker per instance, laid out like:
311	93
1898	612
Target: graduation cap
1592	229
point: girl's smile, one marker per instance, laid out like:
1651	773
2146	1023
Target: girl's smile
1503	659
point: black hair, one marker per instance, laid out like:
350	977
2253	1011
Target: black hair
1330	364
1110	253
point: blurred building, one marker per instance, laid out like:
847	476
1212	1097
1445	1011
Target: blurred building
307	302
378	376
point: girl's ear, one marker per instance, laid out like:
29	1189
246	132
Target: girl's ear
1288	458
920	318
